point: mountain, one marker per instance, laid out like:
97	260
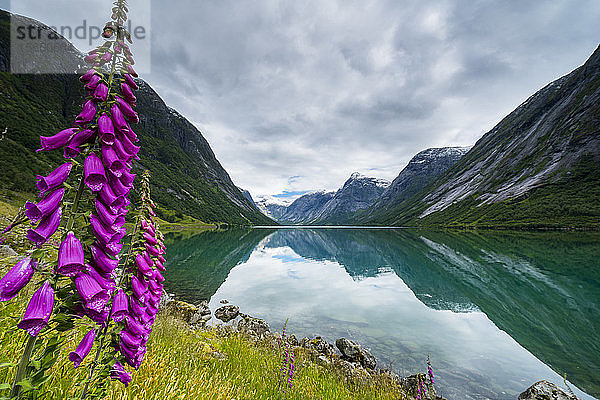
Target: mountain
421	170
537	168
271	206
187	179
306	209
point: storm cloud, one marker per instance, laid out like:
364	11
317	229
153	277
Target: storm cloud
316	90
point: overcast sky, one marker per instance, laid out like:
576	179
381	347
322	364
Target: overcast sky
294	96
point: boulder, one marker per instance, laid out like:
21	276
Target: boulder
544	390
6	251
354	353
319	345
254	326
227	313
181	310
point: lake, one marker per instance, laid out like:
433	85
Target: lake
496	311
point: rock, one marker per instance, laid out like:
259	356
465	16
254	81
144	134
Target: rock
544	390
410	385
319	345
293	340
354	353
224	301
202	315
218	355
6	251
323	360
227	313
254	326
165	299
181	310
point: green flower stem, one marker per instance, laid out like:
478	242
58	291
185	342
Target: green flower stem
76	203
16	389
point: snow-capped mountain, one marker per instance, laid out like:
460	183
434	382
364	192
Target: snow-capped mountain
271	206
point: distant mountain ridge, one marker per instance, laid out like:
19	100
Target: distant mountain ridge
187	178
537	168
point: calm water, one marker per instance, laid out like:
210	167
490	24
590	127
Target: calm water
496	311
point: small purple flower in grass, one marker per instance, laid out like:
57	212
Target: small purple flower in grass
128	93
129	80
83	349
54	180
102	261
93	171
126	109
46	228
429	370
72	150
57	141
87	114
50	203
118	373
143	266
120	306
112	161
38	310
71	259
106	129
17	278
95	296
101	92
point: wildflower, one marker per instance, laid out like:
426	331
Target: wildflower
46	228
93	82
93	170
106	57
128	93
72	149
142	265
17	278
106	129
54	179
107	284
57	141
131	71
87	114
94	295
118	373
70	256
101	92
83	349
107	217
110	199
126	109
38	310
48	205
129	80
87	76
139	288
112	160
102	260
120	306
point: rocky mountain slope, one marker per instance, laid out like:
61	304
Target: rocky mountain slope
187	178
271	206
306	209
537	168
421	170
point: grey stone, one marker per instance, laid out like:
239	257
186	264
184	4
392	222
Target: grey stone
354	353
227	313
224	301
544	390
256	326
6	251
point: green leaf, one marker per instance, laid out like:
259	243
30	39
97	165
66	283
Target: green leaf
25	385
8	365
4	386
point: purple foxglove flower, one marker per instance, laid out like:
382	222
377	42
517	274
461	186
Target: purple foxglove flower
57	141
101	92
154	287
111	160
131	71
47	206
107	283
17	278
107	217
135	328
158	276
110	199
106	57
129	147
94	295
159	265
120	150
147	258
131	134
118	373
106	129
130	341
150	239
99	317
93	82
145	318
46	228
127	110
93	170
152	250
87	76
152	308
83	349
90	59
38	310
72	150
128	93
127	179
120	306
54	180
129	80
142	265
161	259
118	118
114	247
135	308
87	114
71	259
117	186
102	261
139	289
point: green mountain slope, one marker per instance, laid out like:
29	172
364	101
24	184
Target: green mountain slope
187	178
537	168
